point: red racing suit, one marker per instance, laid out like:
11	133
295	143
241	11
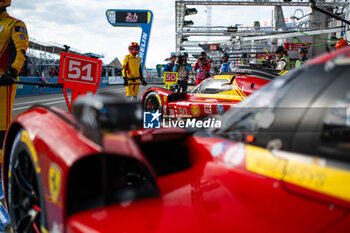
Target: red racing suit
13	45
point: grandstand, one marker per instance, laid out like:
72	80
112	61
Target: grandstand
41	56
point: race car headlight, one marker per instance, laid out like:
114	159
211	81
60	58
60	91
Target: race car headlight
108	113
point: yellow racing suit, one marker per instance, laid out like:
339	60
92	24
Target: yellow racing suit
132	74
13	45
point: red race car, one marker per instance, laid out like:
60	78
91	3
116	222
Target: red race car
214	95
87	172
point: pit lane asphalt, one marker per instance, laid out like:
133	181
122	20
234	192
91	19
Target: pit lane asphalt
22	103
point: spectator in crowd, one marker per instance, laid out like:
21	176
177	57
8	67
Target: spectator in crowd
203	66
244	59
302	57
182	68
226	65
52	72
282	59
13	46
186	56
170	66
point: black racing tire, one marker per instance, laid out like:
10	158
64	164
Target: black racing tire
152	102
25	198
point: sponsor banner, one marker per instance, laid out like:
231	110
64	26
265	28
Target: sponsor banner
154	80
115	80
119	80
104	80
292	45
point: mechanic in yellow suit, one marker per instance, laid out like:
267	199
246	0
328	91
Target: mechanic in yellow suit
132	72
13	46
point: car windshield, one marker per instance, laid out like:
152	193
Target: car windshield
256	111
212	86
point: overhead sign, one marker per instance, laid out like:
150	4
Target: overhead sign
169	78
134	18
213	47
79	74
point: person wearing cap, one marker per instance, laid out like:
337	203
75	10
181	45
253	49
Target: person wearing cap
182	68
13	46
203	66
302	57
226	65
282	59
169	67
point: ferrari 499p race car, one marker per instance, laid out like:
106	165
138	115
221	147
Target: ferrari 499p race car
214	95
87	172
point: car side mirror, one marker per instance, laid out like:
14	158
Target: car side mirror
108	113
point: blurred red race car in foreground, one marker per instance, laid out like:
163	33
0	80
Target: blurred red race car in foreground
87	172
214	95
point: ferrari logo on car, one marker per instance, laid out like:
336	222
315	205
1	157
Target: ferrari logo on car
54	182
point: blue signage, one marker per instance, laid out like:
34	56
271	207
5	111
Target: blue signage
134	18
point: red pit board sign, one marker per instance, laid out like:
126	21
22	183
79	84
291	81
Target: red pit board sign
80	69
80	74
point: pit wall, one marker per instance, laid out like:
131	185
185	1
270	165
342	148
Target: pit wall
25	90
